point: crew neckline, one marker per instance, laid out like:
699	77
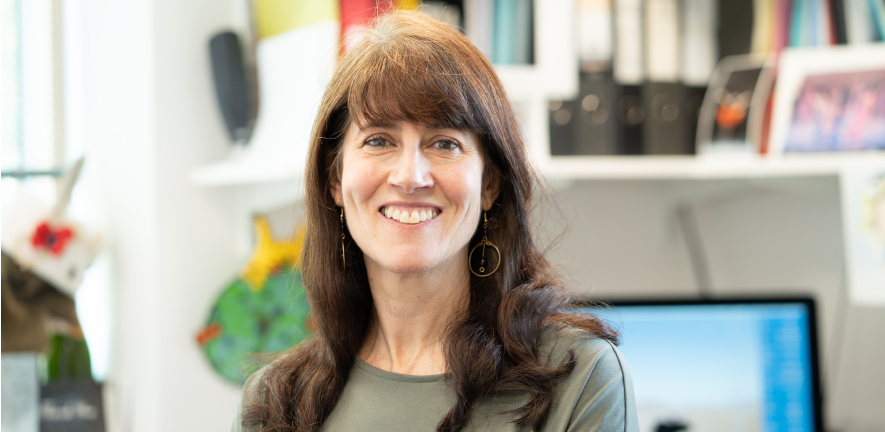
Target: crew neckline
393	376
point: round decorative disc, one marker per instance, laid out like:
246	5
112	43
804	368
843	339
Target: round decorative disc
246	321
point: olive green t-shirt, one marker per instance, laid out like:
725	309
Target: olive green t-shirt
596	396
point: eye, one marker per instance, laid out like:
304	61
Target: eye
447	144
377	142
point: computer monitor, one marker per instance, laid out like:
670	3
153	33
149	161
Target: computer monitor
721	365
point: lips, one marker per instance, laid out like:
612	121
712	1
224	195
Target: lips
409	215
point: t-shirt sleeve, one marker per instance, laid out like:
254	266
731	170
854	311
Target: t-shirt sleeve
237	425
248	395
606	402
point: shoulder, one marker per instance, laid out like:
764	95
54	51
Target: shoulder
559	340
594	356
598	393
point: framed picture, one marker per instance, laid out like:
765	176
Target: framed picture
830	100
731	115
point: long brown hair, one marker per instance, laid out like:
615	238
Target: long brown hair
412	68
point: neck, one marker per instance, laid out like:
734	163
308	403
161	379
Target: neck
411	315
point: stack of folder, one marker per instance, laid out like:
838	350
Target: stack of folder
646	64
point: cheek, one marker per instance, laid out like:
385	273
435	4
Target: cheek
462	186
358	179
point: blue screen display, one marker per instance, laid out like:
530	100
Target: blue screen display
718	367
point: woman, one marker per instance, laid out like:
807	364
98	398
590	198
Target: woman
434	309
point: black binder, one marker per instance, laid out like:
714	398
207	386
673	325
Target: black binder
694	100
631	116
596	128
837	13
562	119
666	125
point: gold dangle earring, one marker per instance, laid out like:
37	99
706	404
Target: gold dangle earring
483	271
343	262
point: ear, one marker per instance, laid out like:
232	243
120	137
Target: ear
335	183
491	188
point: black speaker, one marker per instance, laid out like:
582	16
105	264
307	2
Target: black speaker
231	86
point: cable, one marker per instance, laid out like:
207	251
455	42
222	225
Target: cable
837	338
692	236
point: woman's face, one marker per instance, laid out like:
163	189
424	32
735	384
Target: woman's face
412	195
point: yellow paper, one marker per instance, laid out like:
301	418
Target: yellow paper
407	4
278	16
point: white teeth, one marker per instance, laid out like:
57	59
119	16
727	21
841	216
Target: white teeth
407	217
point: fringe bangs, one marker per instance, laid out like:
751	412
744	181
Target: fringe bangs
418	83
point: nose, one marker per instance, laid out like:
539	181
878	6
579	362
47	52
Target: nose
412	170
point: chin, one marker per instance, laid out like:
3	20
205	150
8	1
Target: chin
410	266
408	263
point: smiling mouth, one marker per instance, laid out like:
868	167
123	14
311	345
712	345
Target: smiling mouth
409	216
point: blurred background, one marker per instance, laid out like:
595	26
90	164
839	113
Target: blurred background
701	149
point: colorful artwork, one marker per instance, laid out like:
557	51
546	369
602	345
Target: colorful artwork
731	116
734	105
263	311
839	112
44	240
45	253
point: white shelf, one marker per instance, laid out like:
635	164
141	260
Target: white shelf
692	167
238	170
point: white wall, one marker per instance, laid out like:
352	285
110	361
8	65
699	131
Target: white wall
196	251
119	135
151	119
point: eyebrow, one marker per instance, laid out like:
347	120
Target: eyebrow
434	127
378	126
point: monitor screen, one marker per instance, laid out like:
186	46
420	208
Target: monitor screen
720	366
